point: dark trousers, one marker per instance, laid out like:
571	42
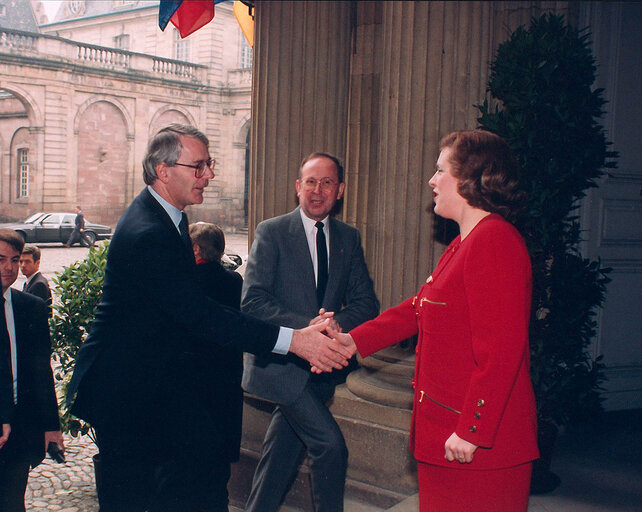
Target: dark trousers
14	473
132	481
306	424
77	236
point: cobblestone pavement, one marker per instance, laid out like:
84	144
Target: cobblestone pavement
68	487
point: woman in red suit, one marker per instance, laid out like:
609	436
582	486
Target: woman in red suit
474	426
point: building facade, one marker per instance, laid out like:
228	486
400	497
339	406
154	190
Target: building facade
81	95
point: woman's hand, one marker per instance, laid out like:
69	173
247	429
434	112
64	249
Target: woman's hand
458	449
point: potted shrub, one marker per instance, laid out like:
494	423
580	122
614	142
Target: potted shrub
78	289
541	84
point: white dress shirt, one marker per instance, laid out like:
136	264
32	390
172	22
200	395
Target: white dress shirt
11	329
309	226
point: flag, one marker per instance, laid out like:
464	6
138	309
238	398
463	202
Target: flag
186	15
245	20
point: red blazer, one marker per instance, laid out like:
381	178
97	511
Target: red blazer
472	358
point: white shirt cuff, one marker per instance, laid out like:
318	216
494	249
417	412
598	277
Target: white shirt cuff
283	341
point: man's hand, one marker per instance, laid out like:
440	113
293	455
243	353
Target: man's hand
458	449
344	340
323	315
321	352
6	429
55	436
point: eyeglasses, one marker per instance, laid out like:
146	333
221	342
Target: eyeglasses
324	183
199	169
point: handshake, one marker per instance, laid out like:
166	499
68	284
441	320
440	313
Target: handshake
322	344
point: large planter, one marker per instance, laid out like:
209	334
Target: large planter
543	479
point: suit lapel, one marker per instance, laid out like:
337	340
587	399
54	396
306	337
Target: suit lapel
20	324
301	257
150	202
337	261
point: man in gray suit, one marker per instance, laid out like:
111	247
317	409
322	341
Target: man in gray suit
303	267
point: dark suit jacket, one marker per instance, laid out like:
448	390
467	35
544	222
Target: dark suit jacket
37	409
39	286
280	287
79	221
139	375
225	365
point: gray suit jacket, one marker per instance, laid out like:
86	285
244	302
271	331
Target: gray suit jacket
280	288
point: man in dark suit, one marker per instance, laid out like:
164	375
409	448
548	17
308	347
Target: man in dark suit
32	411
301	265
224	366
139	376
77	235
36	284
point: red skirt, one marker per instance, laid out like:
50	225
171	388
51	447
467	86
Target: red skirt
451	489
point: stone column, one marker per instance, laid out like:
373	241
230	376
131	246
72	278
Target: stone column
299	96
426	71
418	69
377	83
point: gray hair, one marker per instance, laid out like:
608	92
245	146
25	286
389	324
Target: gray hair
166	147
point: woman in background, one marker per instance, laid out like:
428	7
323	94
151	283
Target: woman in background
224	366
474	424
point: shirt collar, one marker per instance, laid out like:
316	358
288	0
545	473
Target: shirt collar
310	224
174	213
7	296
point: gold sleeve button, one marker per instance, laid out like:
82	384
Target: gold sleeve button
477	415
480	403
473	428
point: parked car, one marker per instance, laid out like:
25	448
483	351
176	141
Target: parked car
55	227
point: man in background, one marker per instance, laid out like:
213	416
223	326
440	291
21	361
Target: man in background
302	265
77	234
24	364
36	284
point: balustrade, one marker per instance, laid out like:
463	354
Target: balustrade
64	50
16	40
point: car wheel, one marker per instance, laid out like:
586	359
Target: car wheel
88	239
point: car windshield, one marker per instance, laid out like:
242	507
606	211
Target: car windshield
33	218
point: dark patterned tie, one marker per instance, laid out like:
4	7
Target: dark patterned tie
183	227
322	263
6	371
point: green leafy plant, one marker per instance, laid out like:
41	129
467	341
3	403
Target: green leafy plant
545	107
79	289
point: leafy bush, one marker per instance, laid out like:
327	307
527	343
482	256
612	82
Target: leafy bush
549	114
79	289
